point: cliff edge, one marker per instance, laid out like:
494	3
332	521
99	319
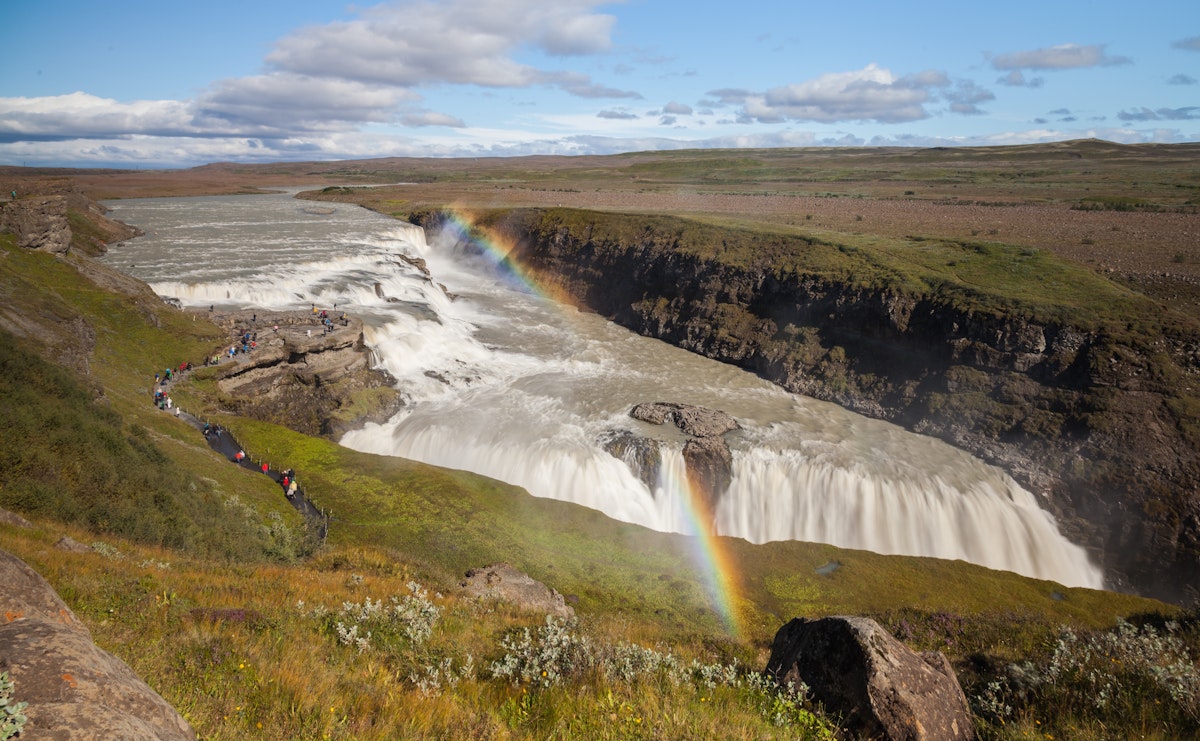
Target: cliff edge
1097	415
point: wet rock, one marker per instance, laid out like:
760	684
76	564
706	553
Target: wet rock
641	454
692	420
503	582
880	687
74	688
709	467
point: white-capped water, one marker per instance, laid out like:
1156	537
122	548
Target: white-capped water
508	384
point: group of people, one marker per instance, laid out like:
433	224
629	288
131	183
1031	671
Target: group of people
327	318
246	342
287	479
162	399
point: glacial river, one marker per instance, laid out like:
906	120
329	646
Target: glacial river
505	382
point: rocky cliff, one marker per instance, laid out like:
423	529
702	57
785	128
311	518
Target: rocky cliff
58	222
299	376
1098	420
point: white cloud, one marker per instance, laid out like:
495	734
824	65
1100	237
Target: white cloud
869	94
290	102
1016	78
618	115
677	109
1063	56
966	96
463	42
431	118
1188	44
80	114
1189	113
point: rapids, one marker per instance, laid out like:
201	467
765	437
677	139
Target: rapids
505	382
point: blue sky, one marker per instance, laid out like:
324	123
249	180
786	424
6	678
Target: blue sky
154	84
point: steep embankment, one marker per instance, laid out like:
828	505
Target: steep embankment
1082	390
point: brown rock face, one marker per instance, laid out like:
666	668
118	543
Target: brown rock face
709	467
74	688
313	382
709	462
40	223
880	687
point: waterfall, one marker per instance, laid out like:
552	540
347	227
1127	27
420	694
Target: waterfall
510	385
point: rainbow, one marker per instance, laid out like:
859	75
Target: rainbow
710	553
501	251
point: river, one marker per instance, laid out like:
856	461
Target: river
502	381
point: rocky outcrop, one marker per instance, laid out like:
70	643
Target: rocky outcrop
59	219
641	454
1096	420
878	686
709	468
74	688
707	457
503	582
299	376
40	223
690	419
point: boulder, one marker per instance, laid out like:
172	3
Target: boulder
74	688
70	545
12	518
880	687
503	582
693	420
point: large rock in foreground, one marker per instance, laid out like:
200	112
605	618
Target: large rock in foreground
880	687
74	688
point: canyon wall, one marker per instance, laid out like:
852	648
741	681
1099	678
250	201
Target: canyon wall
1089	418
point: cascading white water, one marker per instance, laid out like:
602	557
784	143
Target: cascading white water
510	385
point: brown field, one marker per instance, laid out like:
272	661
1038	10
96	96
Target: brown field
1143	227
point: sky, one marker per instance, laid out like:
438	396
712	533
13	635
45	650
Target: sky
152	84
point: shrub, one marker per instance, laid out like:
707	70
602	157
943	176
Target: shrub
549	657
1110	677
412	617
12	719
